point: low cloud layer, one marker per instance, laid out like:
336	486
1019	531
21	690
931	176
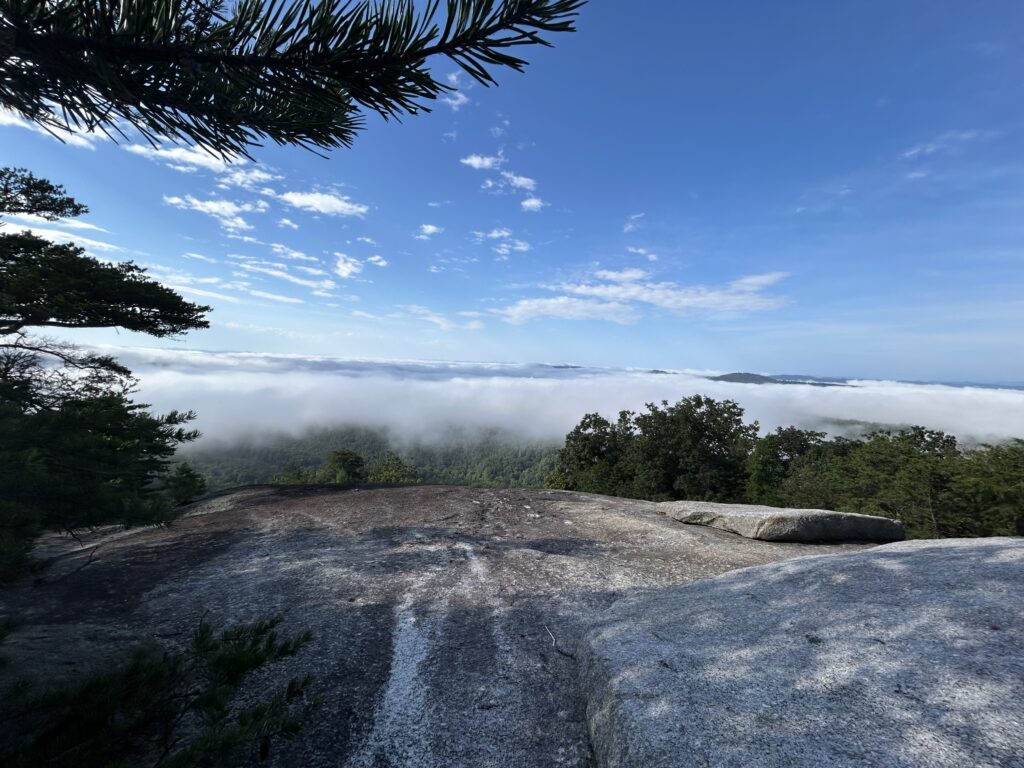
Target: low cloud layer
242	395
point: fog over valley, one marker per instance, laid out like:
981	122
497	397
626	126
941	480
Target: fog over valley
243	395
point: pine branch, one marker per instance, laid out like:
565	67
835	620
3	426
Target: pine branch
294	72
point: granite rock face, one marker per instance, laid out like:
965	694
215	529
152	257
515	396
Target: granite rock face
444	619
778	524
909	654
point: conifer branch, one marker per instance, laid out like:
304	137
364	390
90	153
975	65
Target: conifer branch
291	71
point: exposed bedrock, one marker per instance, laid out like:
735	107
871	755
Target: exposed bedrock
909	654
780	524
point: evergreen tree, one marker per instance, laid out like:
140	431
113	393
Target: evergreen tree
391	470
75	449
343	467
596	456
184	484
226	77
696	449
989	481
772	461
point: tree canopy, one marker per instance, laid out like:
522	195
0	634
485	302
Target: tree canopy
701	449
23	193
77	451
46	284
227	77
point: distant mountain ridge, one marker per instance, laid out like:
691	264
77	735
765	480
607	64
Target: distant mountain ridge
757	378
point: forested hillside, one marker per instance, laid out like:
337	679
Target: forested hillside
697	449
489	458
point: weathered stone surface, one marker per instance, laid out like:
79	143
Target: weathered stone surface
778	524
907	655
444	618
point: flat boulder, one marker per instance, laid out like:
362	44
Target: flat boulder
908	654
779	524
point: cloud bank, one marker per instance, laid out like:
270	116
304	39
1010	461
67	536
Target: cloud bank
240	395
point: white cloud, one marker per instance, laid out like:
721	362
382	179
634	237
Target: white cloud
187	283
757	282
285	252
497	131
622	276
39	221
430	316
533	204
247	178
642	252
441	321
57	236
80	140
276	297
193	291
427	231
325	203
742	295
483	162
507	244
367	240
346	267
225	211
519	182
310	270
378	261
287	223
507	247
280	274
184	159
633	222
191	159
364	315
565	308
199	257
950	141
456	100
498	233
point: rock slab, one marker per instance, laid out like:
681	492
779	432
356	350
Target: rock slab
908	654
444	619
778	524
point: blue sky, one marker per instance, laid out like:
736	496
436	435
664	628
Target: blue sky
793	187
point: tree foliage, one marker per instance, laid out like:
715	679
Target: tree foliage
694	449
46	284
490	458
22	193
391	470
228	76
700	449
174	709
184	484
76	450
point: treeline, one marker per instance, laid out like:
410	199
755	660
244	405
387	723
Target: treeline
491	458
702	449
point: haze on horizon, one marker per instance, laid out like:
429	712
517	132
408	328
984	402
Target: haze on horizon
245	396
